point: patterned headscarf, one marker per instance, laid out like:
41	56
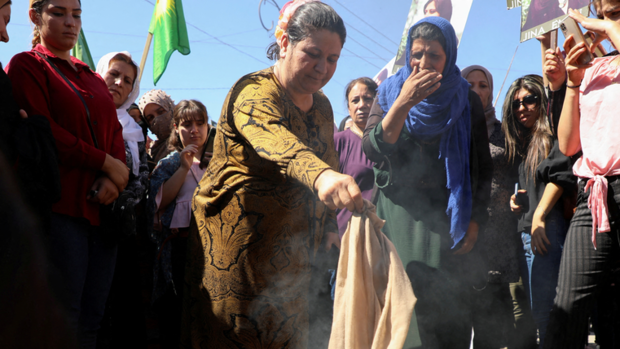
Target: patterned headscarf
158	97
286	13
160	126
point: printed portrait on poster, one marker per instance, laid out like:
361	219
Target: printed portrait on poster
541	16
455	11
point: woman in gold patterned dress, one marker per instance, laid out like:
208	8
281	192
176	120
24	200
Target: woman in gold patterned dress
265	204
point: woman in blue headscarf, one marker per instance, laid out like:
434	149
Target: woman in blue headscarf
427	133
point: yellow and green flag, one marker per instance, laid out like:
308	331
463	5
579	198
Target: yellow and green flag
169	33
81	51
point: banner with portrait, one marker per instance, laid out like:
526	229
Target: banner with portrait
542	16
455	11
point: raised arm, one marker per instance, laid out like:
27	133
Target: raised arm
554	72
171	187
265	126
568	127
419	85
603	29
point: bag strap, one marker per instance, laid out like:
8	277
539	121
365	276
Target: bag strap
90	126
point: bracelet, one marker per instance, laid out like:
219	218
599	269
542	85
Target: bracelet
569	86
544	213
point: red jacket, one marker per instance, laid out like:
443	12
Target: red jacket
40	90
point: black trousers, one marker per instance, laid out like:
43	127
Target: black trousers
584	270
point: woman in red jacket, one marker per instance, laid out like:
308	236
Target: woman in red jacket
48	81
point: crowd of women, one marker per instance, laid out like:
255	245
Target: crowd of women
201	239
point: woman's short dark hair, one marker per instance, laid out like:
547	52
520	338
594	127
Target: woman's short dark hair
370	84
428	32
307	19
187	109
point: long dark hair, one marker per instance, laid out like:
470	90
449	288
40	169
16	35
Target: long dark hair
307	19
532	145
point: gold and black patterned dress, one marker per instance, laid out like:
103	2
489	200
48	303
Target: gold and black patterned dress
259	222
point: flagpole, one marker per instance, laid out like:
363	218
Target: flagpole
145	54
502	87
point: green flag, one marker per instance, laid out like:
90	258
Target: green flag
81	51
169	33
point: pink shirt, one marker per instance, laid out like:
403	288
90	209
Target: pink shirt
182	215
600	140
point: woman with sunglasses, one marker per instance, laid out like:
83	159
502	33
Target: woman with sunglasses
544	176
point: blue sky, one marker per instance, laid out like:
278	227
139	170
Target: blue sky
490	39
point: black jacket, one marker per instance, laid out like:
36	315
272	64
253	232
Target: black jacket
29	146
415	165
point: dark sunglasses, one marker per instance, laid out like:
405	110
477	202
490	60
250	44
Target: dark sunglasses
528	102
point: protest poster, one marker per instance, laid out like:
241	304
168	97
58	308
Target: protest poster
541	16
385	72
455	11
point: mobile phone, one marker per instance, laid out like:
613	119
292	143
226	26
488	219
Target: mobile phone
210	139
521	198
570	27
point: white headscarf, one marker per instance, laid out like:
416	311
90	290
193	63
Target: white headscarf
132	132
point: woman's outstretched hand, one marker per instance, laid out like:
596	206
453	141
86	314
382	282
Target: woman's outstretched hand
337	190
419	85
